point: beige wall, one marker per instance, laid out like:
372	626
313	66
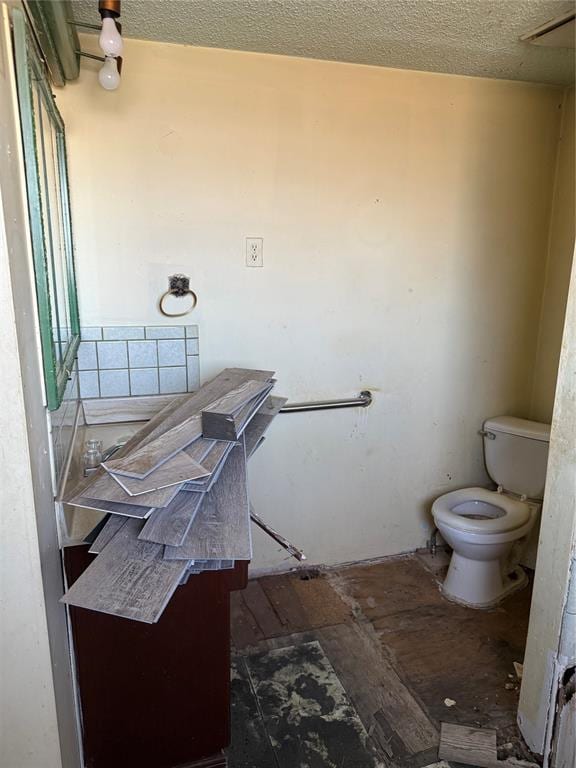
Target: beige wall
405	222
560	250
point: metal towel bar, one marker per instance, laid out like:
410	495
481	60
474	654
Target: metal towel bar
362	401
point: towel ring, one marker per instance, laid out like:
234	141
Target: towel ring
179	285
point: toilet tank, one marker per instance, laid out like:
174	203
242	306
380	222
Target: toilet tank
516	454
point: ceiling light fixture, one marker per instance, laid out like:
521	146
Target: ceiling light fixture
109	77
110	39
111	44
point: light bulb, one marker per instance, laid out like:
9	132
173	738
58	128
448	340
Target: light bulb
109	77
110	39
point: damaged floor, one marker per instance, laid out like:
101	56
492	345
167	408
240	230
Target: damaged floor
357	667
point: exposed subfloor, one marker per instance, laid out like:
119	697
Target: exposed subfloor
357	667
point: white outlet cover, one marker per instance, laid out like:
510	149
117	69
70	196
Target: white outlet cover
254	252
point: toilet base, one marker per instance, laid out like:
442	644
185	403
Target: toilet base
479	583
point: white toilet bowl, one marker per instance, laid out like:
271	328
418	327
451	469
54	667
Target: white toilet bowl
481	526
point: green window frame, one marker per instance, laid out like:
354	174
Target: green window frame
46	170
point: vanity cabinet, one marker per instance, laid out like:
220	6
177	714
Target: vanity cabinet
156	696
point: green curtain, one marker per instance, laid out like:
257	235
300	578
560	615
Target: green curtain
58	38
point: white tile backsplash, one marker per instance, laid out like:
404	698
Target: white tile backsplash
114	383
119	361
142	354
172	380
112	354
171	352
144	381
165	332
87	360
193	366
123	332
89	386
91	334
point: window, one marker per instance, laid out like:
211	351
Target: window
49	213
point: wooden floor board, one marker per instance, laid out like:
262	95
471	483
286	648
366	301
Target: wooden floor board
445	650
322	605
244	628
401	652
375	687
471	746
286	603
262	610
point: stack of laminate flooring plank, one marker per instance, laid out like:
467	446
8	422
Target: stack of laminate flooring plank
176	497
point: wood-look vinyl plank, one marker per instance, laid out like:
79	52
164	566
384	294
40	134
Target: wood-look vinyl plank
147	458
113	524
182	414
247	413
129	578
221	529
81	488
108	410
262	419
226	380
220	419
91	537
177	471
214	455
214	463
115	507
199	449
171	524
107	489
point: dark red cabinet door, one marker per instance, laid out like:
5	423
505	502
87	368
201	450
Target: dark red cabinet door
156	696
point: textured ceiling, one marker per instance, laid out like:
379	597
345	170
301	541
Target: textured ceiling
466	37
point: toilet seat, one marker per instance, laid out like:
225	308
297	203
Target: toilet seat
454	510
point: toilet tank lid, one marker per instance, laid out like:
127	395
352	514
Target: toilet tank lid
510	425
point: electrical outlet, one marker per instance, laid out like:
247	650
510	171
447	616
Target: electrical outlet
254	252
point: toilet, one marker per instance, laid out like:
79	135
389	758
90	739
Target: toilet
487	529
